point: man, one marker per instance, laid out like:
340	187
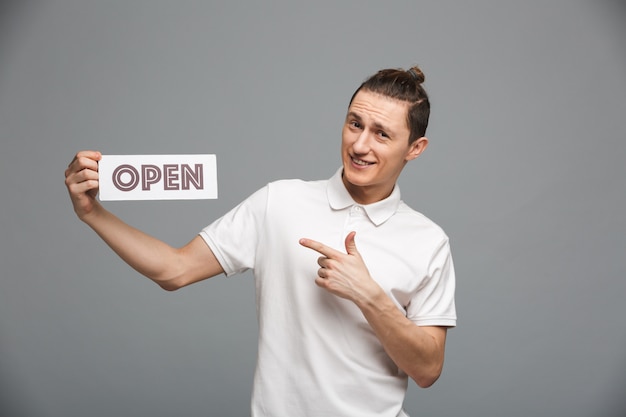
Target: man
384	293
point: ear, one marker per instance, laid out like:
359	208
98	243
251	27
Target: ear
416	148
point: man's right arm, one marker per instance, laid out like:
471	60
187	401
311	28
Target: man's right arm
169	267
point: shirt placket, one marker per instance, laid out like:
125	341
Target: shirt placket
354	221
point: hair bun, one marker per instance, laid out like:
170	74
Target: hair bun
417	74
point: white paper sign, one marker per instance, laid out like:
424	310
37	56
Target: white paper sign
158	177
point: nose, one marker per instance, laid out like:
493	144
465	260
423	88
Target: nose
361	145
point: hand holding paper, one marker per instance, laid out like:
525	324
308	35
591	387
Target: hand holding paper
81	180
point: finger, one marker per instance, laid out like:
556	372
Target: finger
322	273
320	248
82	181
83	187
95	155
81	174
351	244
81	164
83	158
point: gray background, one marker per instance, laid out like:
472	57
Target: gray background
524	171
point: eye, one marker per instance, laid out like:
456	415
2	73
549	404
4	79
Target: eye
383	134
355	124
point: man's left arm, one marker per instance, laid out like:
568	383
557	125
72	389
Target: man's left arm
417	350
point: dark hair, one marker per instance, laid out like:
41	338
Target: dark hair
406	86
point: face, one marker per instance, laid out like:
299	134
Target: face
375	146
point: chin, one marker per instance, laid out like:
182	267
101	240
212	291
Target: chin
356	178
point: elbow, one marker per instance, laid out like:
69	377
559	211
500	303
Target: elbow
169	286
176	281
425	381
171	283
427	377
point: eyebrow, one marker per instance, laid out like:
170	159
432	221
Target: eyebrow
377	125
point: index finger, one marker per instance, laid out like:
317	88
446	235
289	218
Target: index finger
320	248
93	155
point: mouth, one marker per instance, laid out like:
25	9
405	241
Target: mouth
360	162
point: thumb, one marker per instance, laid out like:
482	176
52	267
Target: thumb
351	244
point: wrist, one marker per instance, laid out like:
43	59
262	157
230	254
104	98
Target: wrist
90	217
372	298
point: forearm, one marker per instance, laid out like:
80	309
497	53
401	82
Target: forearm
418	351
144	253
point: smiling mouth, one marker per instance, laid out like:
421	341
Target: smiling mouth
360	162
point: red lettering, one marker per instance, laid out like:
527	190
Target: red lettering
170	176
150	174
195	176
119	183
175	177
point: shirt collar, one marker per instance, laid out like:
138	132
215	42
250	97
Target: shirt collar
378	212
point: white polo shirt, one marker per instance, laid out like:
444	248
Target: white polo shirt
317	355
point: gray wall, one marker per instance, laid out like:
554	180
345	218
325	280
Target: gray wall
525	172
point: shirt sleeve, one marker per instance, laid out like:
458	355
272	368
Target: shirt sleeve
433	303
234	237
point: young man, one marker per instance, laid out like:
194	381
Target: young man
355	290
